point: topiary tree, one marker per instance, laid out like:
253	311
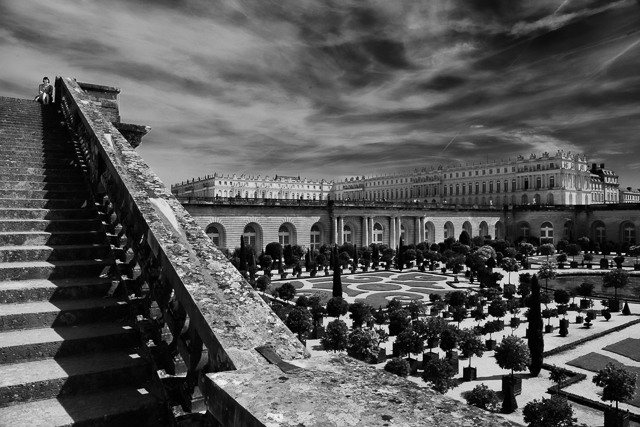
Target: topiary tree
360	313
336	290
433	327
449	338
547	249
299	321
263	283
337	307
509	264
399	320
464	238
459	313
618	384
286	291
616	279
397	366
535	337
363	344
572	250
497	309
513	354
482	397
547	271
336	336
410	342
439	373
554	412
470	344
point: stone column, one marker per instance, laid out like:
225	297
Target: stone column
340	230
416	231
371	230
335	230
423	222
392	232
365	231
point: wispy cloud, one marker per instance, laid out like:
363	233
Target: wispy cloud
326	89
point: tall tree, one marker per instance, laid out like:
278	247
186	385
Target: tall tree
337	280
243	259
535	337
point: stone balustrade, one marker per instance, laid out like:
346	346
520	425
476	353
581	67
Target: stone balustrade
194	310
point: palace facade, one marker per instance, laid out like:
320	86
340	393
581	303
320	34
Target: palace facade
548	197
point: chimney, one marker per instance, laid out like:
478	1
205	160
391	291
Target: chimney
601	165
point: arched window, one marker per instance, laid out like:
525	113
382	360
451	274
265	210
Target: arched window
499	230
538	182
550	199
567	232
525	199
346	234
467	227
284	235
484	229
377	233
628	233
599	232
314	238
449	230
214	234
249	235
536	199
546	232
552	181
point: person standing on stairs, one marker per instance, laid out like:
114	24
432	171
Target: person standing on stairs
45	92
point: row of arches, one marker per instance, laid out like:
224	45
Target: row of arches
317	235
282	195
598	232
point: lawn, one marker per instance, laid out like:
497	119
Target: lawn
632	290
380	299
629	347
596	361
379	287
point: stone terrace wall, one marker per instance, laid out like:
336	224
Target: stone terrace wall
232	320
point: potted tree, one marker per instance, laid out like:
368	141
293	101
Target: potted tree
410	342
618	260
547	271
579	317
562	298
399	320
360	313
431	329
619	386
588	258
440	374
585	290
547	249
573	250
448	342
526	249
616	279
512	354
489	328
336	337
561	259
470	344
548	313
497	309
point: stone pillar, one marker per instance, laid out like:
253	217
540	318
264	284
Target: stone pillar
392	232
371	229
365	231
340	230
423	222
416	232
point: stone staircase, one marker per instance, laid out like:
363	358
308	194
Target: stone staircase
68	351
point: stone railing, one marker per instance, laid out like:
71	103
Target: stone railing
195	312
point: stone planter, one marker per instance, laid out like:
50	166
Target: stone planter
548	329
490	345
604	264
514	322
564	327
382	355
573	264
585	304
592	314
510	383
396	350
469	374
613	418
433	342
317	332
428	357
614	306
579	319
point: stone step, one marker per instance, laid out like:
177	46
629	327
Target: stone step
43	238
44	186
39	171
122	407
53	253
52	270
61	142
39	152
76	177
34	162
15	225
21	291
37	155
50	214
45	204
46	343
42	194
42	379
52	314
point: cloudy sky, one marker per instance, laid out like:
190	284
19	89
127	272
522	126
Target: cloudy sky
335	88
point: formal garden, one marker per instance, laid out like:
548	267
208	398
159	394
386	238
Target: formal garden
542	334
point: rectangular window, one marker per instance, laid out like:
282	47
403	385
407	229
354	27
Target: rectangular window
491	187
484	187
526	183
